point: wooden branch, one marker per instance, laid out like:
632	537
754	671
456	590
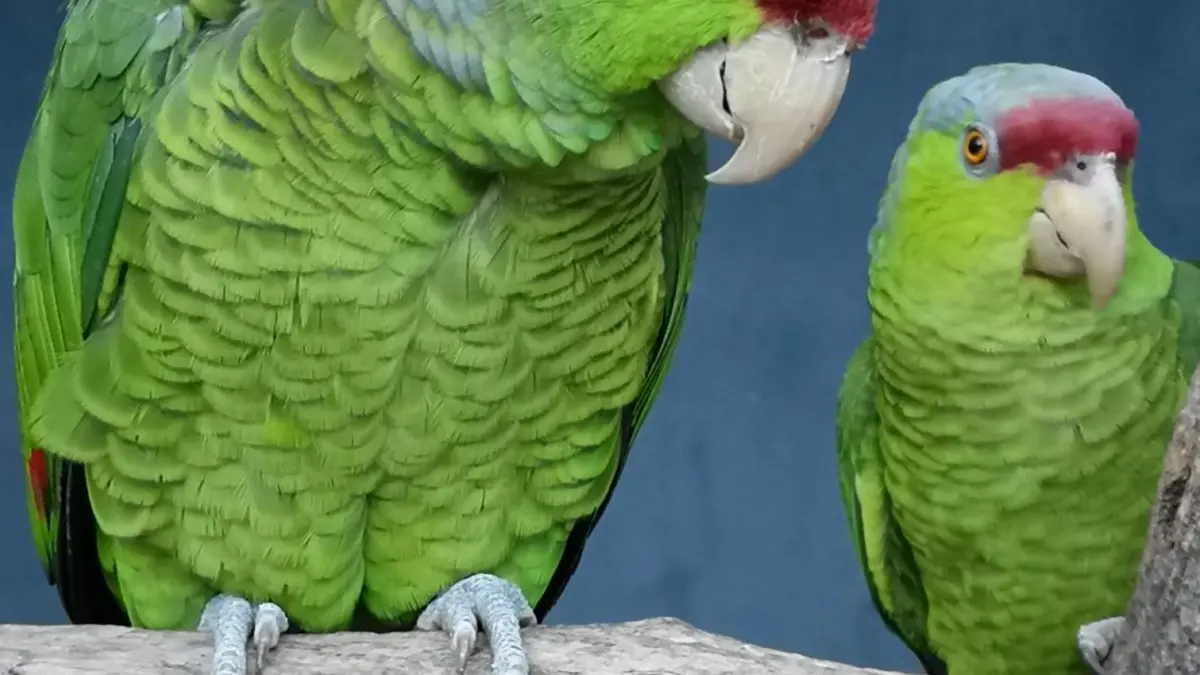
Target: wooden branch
650	647
1161	634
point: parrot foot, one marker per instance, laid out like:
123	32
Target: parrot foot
232	621
488	601
1096	640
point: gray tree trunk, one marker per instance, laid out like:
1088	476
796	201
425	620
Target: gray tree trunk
1161	635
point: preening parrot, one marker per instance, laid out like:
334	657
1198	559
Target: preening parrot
345	313
1001	432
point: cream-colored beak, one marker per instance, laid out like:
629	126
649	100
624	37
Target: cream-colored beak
1079	229
773	94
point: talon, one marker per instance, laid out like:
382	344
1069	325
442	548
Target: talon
488	602
463	641
270	623
233	621
453	613
1096	640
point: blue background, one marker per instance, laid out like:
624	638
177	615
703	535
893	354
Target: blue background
728	515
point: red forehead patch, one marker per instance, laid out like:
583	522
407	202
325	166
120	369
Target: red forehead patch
854	19
1047	132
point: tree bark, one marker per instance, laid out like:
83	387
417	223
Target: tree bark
1161	635
649	647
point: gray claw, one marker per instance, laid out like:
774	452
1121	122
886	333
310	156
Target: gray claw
232	621
463	642
486	601
1096	640
270	623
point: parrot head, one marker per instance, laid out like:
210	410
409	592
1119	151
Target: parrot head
1020	171
766	74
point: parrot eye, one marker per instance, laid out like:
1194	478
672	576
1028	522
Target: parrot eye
975	147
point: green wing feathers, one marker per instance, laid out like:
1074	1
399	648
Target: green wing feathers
683	173
45	296
111	58
888	565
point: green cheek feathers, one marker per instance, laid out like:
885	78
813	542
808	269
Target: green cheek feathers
948	220
624	46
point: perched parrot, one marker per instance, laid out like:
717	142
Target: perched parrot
345	313
1001	432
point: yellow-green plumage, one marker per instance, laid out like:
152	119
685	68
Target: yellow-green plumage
1000	440
363	332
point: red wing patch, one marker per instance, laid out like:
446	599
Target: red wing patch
36	466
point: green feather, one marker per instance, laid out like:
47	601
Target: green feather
1185	291
328	322
66	206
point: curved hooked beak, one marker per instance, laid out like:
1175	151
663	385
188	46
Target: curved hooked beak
1079	230
773	94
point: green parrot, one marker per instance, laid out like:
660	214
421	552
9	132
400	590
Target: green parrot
1001	432
345	313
